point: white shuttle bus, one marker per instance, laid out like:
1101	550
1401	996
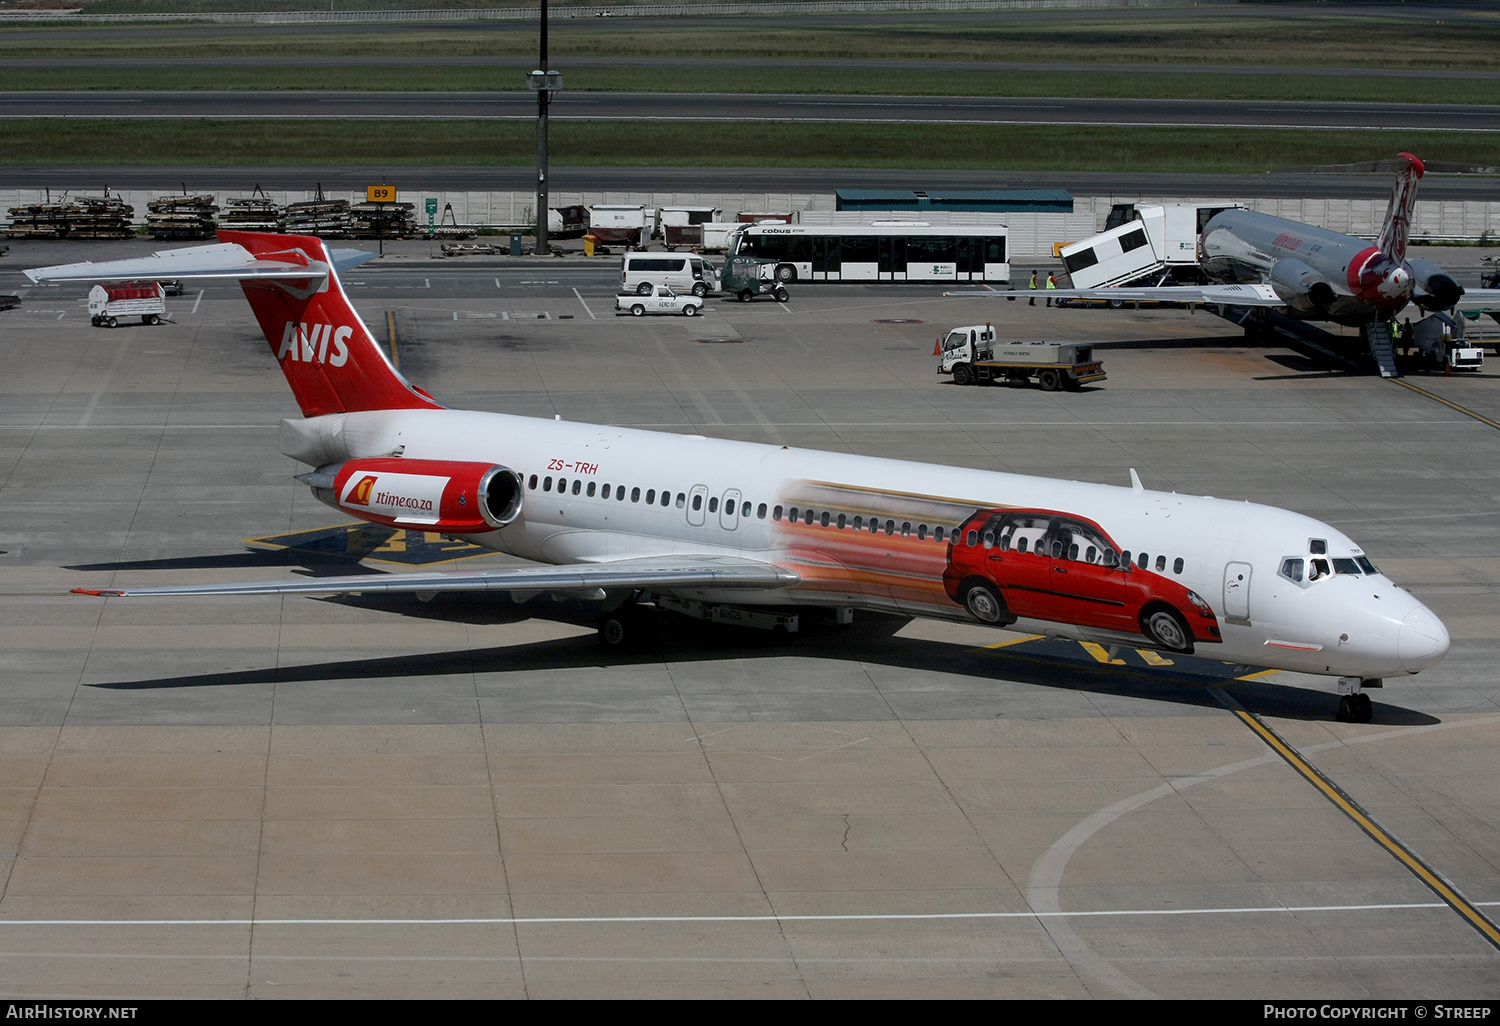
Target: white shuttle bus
878	251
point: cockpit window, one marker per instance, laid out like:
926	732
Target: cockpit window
1317	546
1291	569
1366	565
1317	568
1346	566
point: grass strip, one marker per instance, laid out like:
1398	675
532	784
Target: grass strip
1292	35
714	144
802	81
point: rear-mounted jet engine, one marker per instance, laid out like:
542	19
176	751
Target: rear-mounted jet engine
433	495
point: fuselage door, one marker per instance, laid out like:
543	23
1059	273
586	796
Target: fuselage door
697	504
729	513
1237	593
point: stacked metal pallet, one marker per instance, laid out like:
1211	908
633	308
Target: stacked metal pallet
324	217
383	220
253	213
181	217
84	217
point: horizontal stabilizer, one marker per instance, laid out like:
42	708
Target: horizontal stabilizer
666	573
221	260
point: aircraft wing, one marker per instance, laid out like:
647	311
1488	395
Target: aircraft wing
1207	295
222	260
1479	299
663	572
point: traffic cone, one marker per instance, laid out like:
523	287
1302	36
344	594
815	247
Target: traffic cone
937	347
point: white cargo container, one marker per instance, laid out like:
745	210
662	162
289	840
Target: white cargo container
716	234
683	226
626	224
680	216
113	300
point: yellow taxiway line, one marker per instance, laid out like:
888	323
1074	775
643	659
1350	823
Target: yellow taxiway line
1421	870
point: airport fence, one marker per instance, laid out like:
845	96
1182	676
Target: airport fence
1032	235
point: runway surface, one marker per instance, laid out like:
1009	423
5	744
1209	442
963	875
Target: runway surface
627	106
387	798
423	60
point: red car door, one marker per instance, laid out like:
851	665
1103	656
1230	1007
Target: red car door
1086	590
1015	547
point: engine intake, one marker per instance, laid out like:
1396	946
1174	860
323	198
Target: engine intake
1441	291
434	495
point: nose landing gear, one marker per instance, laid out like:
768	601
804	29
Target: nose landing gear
1354	704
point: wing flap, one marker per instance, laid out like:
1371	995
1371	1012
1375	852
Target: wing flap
620	575
1479	299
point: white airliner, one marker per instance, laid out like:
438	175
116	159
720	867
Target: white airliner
625	516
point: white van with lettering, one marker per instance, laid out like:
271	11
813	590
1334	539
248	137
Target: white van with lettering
685	273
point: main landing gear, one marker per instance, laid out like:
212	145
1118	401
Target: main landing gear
1354	704
630	628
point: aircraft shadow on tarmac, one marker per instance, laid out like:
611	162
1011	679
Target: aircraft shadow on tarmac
1041	662
316	564
320	552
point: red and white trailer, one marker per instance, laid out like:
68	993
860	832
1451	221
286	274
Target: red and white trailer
111	301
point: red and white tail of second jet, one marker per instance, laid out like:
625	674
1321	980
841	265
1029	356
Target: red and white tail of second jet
1393	234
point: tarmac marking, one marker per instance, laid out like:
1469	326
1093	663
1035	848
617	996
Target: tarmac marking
1347	805
1129	913
88	413
1101	654
1016	641
1447	402
585	305
390	330
198	300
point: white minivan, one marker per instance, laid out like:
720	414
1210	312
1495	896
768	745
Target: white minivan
687	272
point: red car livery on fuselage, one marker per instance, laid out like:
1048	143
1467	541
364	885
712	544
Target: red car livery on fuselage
1008	565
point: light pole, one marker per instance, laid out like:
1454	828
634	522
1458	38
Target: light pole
544	83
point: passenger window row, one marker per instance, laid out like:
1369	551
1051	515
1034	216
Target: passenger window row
1024	539
874	525
562	486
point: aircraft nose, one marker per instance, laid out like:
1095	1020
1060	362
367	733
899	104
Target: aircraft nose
1422	640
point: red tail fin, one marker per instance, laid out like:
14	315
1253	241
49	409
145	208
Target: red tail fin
327	354
1392	241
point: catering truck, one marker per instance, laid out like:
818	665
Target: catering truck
973	357
1142	243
